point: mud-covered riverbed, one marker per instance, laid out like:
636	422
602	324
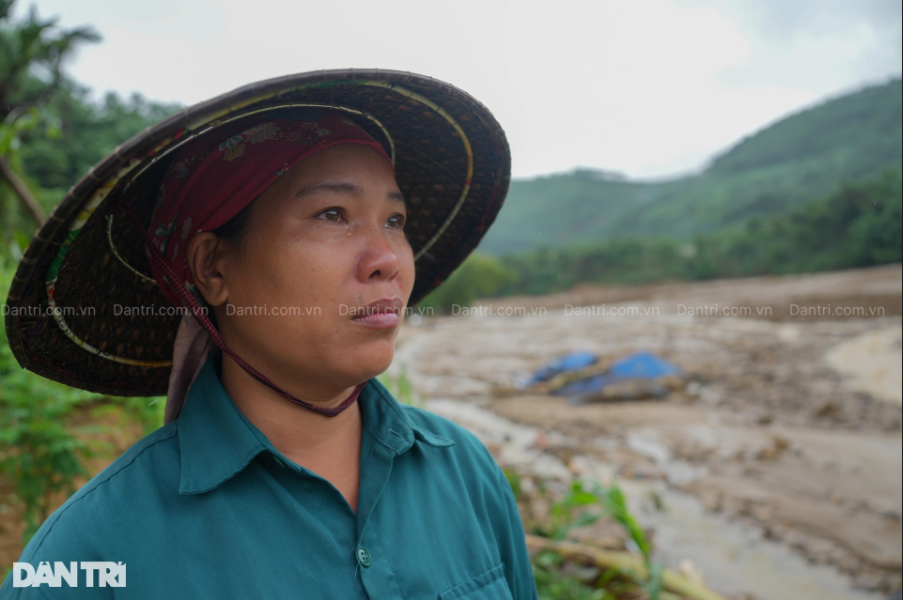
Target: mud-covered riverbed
779	463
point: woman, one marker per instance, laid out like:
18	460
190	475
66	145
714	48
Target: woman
294	221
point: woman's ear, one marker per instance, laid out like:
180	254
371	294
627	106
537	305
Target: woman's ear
204	263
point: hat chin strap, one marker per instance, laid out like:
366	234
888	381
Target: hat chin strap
200	315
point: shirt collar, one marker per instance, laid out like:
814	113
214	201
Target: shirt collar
216	440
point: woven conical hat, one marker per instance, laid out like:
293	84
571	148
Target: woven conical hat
66	317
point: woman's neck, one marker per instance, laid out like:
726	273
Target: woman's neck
328	446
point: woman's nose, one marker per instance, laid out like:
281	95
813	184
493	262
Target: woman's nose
379	257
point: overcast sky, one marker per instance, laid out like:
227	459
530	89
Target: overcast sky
650	88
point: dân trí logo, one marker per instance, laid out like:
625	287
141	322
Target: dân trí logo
108	574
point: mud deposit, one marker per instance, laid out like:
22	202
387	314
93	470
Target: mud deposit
778	464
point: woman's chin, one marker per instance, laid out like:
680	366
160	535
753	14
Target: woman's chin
373	367
362	361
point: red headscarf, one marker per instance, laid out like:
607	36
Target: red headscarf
208	182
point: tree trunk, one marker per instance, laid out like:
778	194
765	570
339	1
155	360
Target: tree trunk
23	192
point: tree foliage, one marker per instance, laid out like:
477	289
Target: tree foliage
857	225
88	132
51	132
32	54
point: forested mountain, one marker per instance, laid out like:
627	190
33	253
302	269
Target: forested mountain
786	165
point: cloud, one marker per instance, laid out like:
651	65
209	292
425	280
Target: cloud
647	88
821	45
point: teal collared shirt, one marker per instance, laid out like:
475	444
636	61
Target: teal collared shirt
207	507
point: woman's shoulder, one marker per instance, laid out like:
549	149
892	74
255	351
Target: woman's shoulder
439	425
436	430
127	484
464	465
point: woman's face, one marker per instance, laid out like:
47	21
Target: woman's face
317	288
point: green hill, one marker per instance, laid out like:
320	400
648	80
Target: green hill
798	159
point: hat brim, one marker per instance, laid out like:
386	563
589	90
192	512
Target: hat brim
81	315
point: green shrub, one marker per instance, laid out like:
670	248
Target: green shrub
40	454
583	505
42	450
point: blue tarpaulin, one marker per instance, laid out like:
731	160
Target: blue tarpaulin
582	386
569	362
642	365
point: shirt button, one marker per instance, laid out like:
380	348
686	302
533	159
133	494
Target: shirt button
363	557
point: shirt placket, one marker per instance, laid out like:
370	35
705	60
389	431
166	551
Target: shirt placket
373	552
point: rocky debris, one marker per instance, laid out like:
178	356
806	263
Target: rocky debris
873	363
733	555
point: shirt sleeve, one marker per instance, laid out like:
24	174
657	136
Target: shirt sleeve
512	541
8	592
67	536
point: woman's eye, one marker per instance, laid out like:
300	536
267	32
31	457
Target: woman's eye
397	221
331	214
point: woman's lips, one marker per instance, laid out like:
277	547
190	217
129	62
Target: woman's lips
379	320
382	313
